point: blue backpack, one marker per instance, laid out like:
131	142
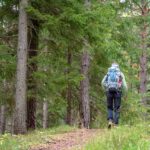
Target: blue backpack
114	79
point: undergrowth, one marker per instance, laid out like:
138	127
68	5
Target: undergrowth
135	137
33	138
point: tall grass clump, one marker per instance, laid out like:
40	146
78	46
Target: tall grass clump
123	138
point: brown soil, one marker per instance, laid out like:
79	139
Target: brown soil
69	141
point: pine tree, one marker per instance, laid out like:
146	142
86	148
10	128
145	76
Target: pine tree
32	67
20	101
144	38
84	85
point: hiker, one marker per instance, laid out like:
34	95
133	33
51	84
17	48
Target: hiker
115	86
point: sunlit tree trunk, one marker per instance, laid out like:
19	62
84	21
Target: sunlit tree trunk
20	99
45	100
45	114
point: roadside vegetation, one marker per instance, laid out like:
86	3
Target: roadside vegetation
33	138
136	137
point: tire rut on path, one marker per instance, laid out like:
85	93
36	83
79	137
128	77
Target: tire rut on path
68	141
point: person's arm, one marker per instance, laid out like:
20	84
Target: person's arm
104	82
124	84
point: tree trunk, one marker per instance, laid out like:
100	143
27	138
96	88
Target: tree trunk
12	122
32	67
31	110
84	91
20	99
69	91
143	57
2	119
45	114
84	84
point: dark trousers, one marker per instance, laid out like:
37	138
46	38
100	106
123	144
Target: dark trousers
113	105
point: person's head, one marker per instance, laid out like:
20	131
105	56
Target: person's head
115	64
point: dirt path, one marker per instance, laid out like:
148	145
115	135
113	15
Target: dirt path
68	141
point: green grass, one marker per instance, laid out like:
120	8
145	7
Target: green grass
23	142
123	138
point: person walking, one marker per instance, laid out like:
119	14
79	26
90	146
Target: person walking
115	85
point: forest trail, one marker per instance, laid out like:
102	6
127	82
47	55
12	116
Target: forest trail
69	141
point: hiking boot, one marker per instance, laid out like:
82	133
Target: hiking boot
110	123
115	125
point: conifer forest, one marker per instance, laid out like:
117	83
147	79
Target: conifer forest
54	55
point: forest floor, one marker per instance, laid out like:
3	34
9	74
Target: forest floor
70	140
65	137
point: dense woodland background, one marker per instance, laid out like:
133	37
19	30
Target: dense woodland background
54	54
